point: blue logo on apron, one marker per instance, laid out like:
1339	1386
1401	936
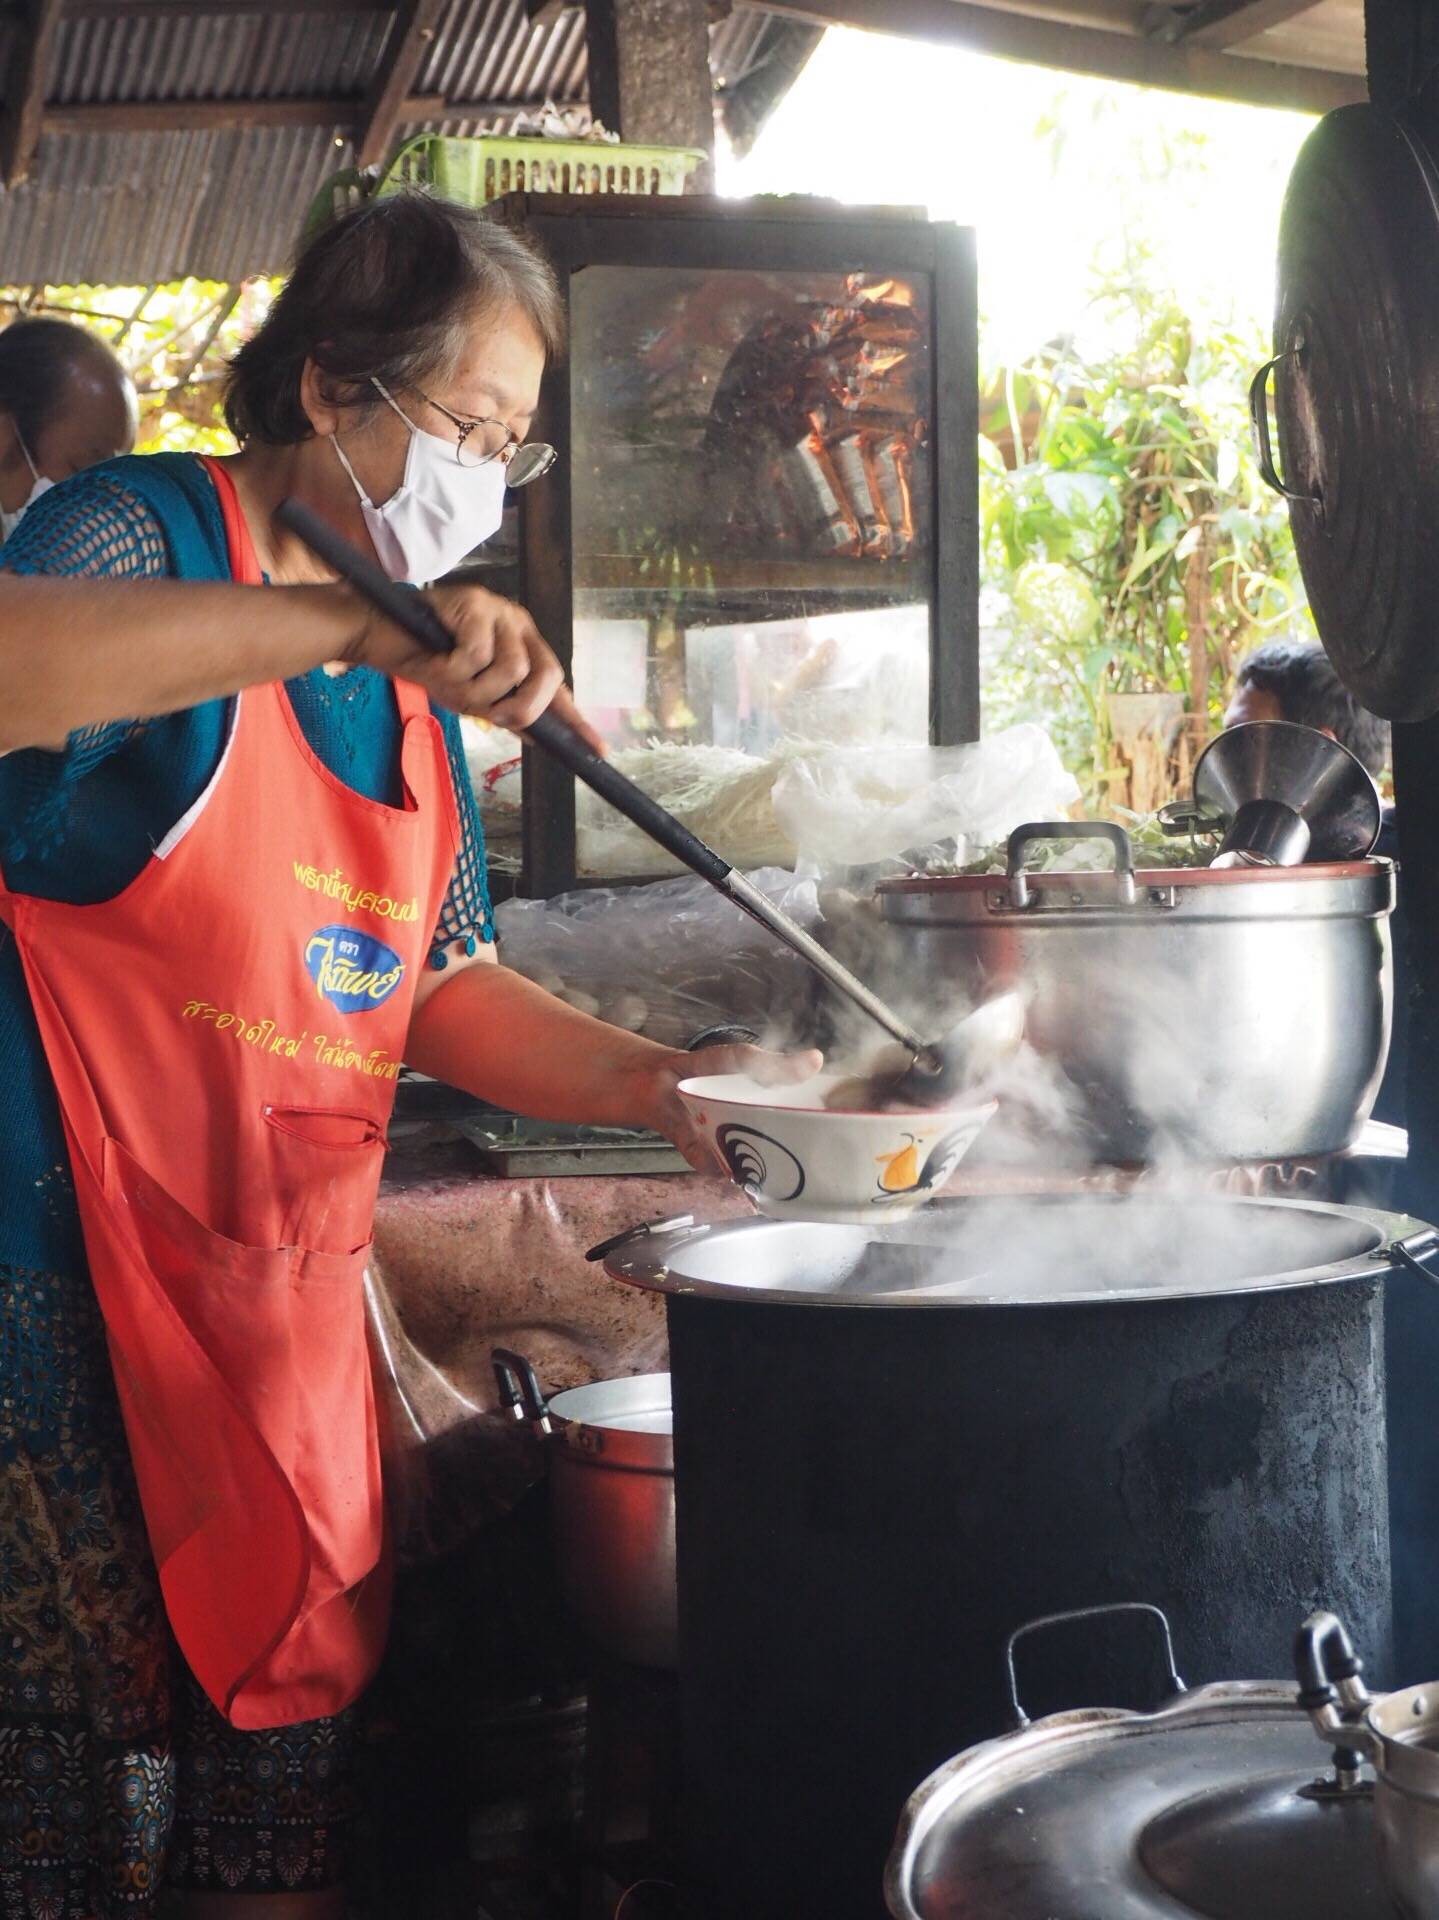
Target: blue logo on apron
352	970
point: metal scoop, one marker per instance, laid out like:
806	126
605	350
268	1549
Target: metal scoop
939	1070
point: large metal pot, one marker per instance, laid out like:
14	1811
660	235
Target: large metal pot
612	1496
1218	1015
893	1443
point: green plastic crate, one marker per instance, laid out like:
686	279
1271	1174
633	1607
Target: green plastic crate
341	192
476	171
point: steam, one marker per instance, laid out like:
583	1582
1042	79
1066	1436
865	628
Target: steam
1015	1249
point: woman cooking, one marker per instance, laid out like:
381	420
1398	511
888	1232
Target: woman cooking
242	880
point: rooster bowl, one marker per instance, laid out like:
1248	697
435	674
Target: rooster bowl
797	1160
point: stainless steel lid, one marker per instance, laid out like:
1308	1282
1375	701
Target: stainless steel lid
1024	1250
1196	1812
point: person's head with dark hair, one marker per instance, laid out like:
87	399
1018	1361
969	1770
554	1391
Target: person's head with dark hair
397	373
1295	680
66	403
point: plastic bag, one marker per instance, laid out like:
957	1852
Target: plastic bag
863	807
670	960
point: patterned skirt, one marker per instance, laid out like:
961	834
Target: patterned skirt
117	1776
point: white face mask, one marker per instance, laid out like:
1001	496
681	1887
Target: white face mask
9	521
440	512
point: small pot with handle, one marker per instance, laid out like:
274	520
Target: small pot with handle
1398	1734
612	1493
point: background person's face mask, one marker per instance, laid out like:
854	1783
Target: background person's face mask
440	512
9	521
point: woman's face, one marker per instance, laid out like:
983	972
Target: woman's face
495	379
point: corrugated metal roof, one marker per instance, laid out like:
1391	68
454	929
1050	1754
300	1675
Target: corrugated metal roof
138	207
250	56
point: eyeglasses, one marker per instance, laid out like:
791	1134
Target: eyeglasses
481	441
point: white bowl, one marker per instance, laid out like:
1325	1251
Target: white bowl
797	1161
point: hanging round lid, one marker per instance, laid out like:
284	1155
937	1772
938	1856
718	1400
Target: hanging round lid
1204	1810
1357	401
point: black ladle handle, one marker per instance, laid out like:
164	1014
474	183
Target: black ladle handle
414	614
418	618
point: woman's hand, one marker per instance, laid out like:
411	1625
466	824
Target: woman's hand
657	1104
502	668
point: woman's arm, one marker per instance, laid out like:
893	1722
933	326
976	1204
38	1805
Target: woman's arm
77	652
492	1033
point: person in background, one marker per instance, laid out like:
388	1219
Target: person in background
1294	680
66	403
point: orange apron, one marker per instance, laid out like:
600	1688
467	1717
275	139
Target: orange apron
225	1036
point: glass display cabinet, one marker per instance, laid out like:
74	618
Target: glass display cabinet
761	533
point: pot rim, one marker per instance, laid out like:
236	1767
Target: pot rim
1313	873
644	1263
600	1439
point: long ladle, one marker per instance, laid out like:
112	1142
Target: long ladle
938	1068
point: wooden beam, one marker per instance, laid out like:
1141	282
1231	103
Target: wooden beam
747	102
1092	50
1221	23
25	89
185	9
410	37
229	116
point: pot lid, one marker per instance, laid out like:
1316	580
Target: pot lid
1029	1250
1198	1810
1357	400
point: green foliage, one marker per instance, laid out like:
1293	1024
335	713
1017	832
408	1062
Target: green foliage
1120	504
174	339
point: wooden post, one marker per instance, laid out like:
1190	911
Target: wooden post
1403	46
25	89
650	74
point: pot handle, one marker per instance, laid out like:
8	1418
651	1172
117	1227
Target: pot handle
520	1392
1023	838
1331	1691
1413	1252
1021	1718
1259	422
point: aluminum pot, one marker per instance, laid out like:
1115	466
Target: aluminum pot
1218	1015
1399	1735
612	1495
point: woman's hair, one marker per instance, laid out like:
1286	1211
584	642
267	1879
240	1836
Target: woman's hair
37	359
388	293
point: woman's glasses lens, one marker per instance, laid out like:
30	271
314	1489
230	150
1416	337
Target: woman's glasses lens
528	462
